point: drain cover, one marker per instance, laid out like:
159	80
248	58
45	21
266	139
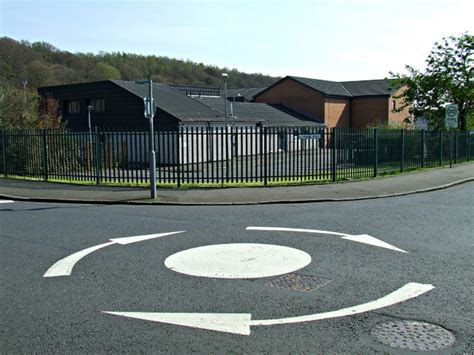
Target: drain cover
298	282
413	335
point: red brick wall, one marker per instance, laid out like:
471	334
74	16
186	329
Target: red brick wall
295	95
337	113
358	112
397	117
369	111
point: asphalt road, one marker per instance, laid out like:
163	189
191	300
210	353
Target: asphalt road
65	314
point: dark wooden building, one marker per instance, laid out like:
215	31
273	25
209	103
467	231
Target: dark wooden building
118	103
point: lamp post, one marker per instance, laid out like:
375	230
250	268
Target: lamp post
226	118
226	113
89	109
89	141
149	113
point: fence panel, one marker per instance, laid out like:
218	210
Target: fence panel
389	150
219	155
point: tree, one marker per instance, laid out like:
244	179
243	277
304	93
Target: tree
103	71
40	63
448	78
38	74
22	109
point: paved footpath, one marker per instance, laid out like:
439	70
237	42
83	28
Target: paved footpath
420	181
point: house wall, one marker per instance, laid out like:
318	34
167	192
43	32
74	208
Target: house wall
295	95
200	143
337	113
122	108
397	117
369	111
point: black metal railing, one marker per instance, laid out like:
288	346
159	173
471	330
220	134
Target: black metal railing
219	156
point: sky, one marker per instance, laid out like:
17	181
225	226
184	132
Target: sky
333	39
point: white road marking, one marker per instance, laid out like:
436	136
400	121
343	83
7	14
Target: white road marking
6	201
240	323
64	266
362	238
129	240
410	290
238	261
235	323
367	239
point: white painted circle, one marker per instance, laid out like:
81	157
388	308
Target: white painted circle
238	261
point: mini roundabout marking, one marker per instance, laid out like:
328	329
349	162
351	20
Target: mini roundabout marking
241	261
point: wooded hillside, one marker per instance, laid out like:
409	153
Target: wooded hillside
41	64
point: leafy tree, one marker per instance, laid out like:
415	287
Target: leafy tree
103	71
23	109
448	78
42	64
38	74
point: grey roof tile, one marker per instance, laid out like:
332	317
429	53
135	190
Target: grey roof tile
348	89
172	101
247	93
258	112
327	87
369	87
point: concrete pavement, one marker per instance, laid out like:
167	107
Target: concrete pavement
408	183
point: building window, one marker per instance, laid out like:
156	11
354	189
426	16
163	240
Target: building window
394	105
98	105
73	106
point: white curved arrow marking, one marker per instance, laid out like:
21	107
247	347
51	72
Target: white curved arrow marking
361	238
240	323
64	266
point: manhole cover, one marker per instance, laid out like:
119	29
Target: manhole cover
413	335
298	282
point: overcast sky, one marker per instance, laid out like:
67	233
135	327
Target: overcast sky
333	39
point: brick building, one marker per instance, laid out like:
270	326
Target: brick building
348	104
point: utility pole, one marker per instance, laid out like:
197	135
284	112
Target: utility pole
226	113
149	114
226	119
152	141
89	145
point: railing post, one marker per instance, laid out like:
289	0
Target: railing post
4	153
423	142
334	158
97	156
451	149
178	160
44	154
456	147
376	152
402	157
468	145
226	152
440	148
264	150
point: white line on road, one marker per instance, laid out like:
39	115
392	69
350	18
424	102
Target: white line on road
64	266
240	323
235	323
410	290
6	201
130	240
362	238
